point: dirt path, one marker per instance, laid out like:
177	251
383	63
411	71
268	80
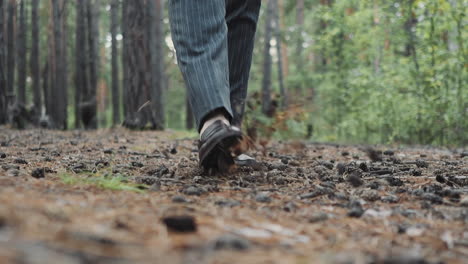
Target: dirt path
138	197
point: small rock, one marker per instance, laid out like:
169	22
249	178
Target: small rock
108	151
341	167
137	164
373	185
390	199
180	223
355	209
263	198
227	203
173	150
318	217
38	173
355	179
394	181
356	212
426	205
179	199
345	153
231	242
433	198
363	166
20	161
290	207
422	164
193	190
10	167
440	179
389	152
2	155
13	172
146	180
370	195
327	164
416	172
294	163
464	154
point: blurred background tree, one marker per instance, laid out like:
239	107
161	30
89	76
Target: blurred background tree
363	71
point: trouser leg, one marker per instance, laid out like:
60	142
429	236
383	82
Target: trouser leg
200	34
241	19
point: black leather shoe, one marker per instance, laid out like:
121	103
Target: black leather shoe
214	149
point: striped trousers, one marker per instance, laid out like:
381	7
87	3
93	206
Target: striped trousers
214	42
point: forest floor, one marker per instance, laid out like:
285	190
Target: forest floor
115	196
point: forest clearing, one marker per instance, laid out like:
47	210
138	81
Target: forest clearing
115	196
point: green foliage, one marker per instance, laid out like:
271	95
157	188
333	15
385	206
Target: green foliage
388	71
116	182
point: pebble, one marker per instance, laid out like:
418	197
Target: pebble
370	195
10	167
390	199
290	207
440	179
318	217
341	167
20	161
193	190
173	150
355	179
263	198
137	164
355	209
422	164
108	151
389	152
327	164
38	173
180	223
231	242
356	212
433	198
179	199
394	181
2	155
228	203
13	172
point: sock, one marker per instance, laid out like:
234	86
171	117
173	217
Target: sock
212	120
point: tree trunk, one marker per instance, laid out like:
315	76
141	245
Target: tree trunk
21	51
157	59
266	83
3	102
115	65
81	78
299	26
138	95
279	49
11	54
284	47
35	68
88	106
59	88
125	80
